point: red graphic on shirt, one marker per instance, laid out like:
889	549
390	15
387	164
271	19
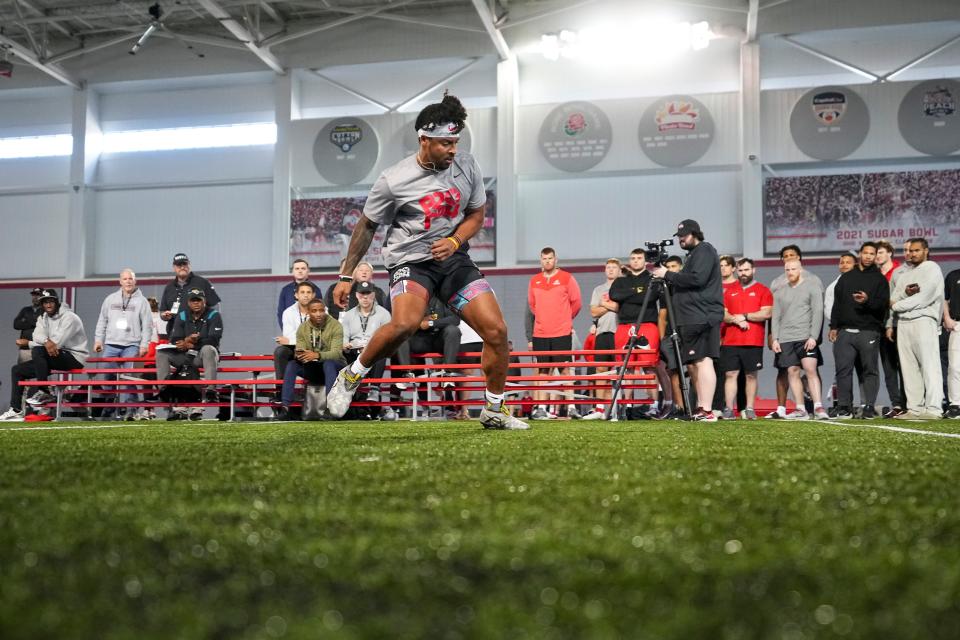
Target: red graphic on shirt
440	204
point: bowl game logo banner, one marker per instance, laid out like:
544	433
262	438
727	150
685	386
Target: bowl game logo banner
321	226
575	136
836	213
829	123
676	131
928	117
345	150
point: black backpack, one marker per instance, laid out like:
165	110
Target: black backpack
182	392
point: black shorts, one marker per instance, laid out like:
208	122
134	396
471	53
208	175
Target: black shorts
605	342
791	353
699	341
737	358
667	355
560	343
455	281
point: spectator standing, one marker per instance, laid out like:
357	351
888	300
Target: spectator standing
174	294
951	324
746	311
916	300
605	321
195	339
59	342
797	321
668	368
861	301
698	304
25	321
554	300
300	270
124	329
889	358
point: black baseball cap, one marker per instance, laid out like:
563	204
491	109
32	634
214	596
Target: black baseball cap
364	287
48	294
196	294
686	227
36	291
181	258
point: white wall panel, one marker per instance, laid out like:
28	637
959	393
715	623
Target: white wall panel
224	228
625	153
598	217
35	116
883	140
390	129
34	172
33	242
186	107
186	165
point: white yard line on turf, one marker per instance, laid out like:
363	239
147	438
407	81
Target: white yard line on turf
887	427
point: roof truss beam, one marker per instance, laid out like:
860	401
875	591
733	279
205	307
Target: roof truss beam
29	57
489	23
242	34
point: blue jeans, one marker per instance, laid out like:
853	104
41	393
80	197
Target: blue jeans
318	372
120	351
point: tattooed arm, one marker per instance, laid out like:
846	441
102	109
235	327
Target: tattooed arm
359	243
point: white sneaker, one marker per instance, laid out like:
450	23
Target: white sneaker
12	415
388	414
542	414
572	412
596	414
501	420
341	394
798	414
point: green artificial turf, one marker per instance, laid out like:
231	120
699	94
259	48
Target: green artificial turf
444	530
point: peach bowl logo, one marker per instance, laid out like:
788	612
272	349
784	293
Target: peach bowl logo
677	115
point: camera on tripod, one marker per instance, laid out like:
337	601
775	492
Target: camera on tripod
656	252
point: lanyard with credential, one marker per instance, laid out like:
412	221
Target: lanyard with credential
316	340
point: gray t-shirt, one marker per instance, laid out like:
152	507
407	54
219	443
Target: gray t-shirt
607	323
421	206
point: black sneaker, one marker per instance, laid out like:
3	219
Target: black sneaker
894	412
868	412
176	415
844	413
211	396
953	412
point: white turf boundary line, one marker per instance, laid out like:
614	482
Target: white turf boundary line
887	427
125	425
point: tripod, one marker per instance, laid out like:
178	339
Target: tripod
658	286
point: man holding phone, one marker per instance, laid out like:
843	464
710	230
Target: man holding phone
916	303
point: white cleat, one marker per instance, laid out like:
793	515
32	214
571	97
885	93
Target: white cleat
491	419
341	394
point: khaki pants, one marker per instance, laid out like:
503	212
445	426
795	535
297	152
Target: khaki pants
918	345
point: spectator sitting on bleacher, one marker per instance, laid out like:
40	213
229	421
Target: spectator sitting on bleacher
301	274
363	273
293	316
195	340
25	321
173	294
319	355
59	343
359	324
124	328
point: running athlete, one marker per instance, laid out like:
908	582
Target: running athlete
433	204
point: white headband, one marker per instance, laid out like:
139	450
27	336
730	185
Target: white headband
442	130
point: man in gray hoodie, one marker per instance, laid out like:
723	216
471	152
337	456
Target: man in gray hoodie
124	328
916	303
59	343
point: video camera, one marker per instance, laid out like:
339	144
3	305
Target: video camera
656	252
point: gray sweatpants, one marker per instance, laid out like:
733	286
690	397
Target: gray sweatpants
918	345
207	357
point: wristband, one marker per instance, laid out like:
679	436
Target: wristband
344	278
455	241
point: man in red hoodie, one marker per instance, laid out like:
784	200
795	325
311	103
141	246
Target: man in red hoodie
554	299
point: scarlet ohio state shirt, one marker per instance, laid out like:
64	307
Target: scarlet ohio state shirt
420	206
746	300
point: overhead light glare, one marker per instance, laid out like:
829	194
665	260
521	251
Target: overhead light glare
650	39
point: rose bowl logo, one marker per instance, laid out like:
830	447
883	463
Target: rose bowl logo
677	115
829	106
575	125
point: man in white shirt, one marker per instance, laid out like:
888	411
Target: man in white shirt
291	319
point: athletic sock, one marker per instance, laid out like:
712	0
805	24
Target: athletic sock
781	410
817	405
494	400
542	407
358	369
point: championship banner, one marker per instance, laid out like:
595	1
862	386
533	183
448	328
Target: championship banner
320	230
835	213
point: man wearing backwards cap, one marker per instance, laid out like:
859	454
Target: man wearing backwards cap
59	342
195	336
25	321
698	303
173	297
433	203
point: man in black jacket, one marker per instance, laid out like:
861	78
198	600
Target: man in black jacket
25	321
194	340
698	304
174	300
860	301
